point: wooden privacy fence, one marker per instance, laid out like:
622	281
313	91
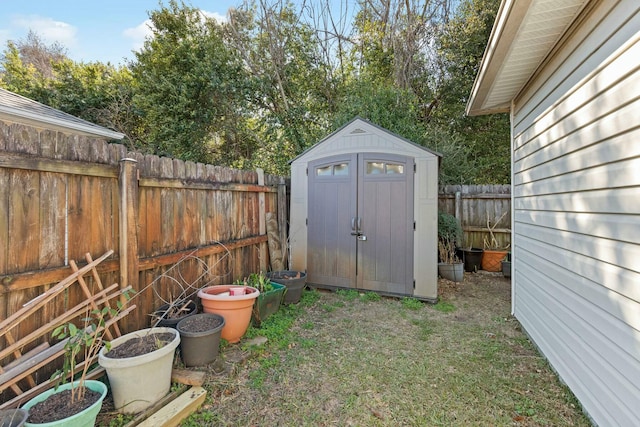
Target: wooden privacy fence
480	208
63	196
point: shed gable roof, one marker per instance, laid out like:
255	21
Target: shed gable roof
360	126
15	107
523	35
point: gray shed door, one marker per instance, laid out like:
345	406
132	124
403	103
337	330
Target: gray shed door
360	222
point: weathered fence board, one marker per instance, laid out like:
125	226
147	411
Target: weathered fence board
62	196
480	208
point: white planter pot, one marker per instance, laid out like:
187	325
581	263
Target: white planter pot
138	382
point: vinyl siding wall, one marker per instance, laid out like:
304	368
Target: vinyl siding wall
576	204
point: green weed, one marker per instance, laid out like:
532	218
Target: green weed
411	303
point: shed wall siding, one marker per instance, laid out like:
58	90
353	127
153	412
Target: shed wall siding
576	188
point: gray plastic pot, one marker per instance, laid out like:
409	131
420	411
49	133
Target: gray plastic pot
200	338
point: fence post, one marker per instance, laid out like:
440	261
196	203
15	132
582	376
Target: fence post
282	221
262	224
128	251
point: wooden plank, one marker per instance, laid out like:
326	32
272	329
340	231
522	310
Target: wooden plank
42	164
262	222
179	409
217	186
188	377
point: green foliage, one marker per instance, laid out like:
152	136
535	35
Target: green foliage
449	236
186	83
443	306
371	297
86	340
258	90
256	280
411	303
348	294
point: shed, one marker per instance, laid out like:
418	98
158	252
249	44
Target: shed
567	72
364	213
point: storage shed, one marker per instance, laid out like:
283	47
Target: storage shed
568	73
364	213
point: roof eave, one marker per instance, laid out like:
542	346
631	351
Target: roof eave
39	120
507	22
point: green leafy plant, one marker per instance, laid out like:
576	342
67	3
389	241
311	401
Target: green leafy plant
86	340
449	236
256	280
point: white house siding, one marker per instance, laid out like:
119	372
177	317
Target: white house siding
576	196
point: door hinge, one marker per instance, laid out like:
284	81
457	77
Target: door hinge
306	171
414	168
414	226
414	283
306	221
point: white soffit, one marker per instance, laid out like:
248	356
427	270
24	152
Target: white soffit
524	33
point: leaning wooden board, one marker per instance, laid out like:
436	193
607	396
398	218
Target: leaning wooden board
177	410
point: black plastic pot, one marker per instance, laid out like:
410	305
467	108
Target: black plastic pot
160	316
472	258
200	338
295	281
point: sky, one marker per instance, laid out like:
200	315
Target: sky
90	30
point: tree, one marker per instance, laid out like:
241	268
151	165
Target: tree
188	84
461	47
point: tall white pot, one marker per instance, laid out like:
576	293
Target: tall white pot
140	381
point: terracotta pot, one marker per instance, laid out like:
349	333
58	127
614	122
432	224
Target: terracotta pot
200	338
236	309
492	260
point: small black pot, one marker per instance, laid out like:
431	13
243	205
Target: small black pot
159	316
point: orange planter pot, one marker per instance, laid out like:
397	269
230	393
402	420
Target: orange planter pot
236	309
492	260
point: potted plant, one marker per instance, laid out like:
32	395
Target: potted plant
78	402
138	366
169	314
449	234
200	338
493	254
295	282
234	303
270	298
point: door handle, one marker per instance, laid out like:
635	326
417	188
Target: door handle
353	223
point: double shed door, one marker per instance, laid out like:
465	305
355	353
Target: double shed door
360	222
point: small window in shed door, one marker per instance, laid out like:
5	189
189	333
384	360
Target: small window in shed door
338	169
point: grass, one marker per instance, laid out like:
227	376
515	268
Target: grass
348	358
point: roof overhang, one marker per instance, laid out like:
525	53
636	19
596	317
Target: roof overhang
523	35
35	119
